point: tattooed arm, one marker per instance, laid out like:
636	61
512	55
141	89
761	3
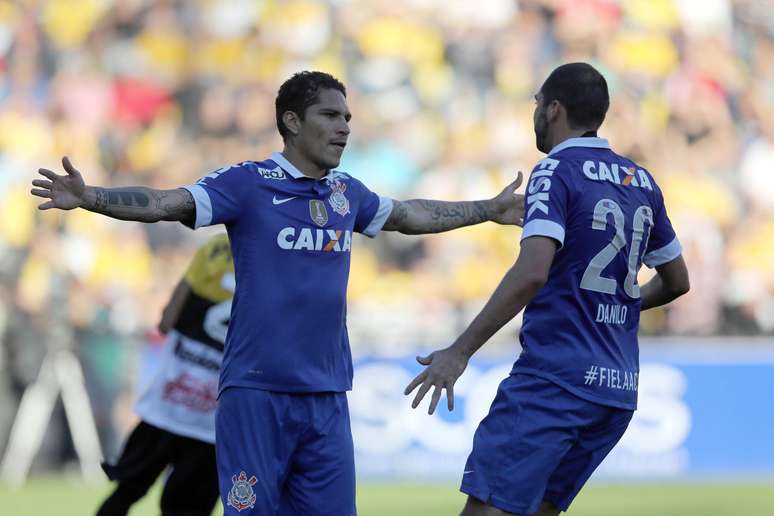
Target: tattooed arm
141	204
420	216
131	203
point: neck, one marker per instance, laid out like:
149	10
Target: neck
302	163
566	133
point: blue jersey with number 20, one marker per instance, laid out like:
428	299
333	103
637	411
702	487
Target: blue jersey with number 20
608	216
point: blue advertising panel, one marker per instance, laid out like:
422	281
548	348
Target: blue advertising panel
703	412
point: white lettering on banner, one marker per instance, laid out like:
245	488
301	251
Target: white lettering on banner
377	407
384	423
391	439
663	420
313	239
439	434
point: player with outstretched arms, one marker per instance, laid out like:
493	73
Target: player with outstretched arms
177	408
284	444
592	219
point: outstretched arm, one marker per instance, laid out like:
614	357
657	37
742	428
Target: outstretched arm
129	203
516	289
419	216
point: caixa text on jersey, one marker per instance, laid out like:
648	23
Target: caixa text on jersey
312	239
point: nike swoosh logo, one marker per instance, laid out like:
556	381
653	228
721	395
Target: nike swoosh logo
466	472
276	201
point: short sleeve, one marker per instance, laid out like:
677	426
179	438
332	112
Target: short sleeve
218	196
372	212
546	201
663	245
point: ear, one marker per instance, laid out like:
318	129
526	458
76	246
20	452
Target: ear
554	110
292	122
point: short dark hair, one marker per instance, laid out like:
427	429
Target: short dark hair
301	91
582	90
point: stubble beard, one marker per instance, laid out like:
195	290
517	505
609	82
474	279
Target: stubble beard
541	135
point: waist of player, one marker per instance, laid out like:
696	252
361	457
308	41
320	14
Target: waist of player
594	314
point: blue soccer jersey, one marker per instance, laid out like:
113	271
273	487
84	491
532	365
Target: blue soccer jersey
608	216
291	237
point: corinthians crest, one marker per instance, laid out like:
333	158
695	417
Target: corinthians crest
242	495
337	200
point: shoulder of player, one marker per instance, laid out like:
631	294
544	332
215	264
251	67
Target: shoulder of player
571	165
338	175
266	169
643	177
556	165
353	183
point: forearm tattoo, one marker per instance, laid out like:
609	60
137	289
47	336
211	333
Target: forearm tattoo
145	204
423	216
101	200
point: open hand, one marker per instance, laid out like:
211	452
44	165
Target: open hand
65	192
443	368
509	206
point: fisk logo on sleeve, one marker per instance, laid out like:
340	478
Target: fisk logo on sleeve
539	185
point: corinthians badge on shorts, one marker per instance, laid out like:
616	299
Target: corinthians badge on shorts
318	212
337	200
242	495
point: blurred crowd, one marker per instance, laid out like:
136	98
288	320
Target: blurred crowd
161	92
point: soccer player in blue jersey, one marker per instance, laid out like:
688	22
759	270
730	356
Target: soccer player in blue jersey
592	219
283	438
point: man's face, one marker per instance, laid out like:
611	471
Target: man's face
540	121
324	130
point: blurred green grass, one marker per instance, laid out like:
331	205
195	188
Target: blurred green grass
67	496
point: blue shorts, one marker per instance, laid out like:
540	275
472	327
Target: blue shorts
285	453
538	442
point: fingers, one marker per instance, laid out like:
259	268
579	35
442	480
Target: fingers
43	184
47	173
421	394
69	168
40	192
425	360
435	399
519	179
517	183
46	205
416	381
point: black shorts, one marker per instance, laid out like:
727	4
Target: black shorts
192	484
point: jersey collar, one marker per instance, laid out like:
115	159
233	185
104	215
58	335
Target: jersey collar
596	143
291	169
